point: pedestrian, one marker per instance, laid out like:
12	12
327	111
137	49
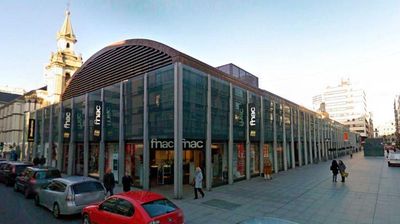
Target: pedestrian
267	169
198	183
351	154
109	182
42	161
36	161
342	169
335	170
126	182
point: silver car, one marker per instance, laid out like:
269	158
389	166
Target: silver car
69	195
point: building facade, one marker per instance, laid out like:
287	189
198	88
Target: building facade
141	107
348	106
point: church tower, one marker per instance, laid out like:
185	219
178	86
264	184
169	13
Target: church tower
63	64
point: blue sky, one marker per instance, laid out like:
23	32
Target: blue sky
295	47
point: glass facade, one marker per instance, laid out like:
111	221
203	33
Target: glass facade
246	105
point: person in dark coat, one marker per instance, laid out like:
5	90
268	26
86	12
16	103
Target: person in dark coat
342	169
36	161
42	161
109	182
126	182
335	170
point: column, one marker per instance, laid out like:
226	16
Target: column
299	138
247	137
312	144
292	139
275	140
284	139
146	148
178	130
50	150
35	141
208	137
102	152
60	142
315	139
320	145
71	149
261	135
86	137
230	141
42	133
305	139
121	136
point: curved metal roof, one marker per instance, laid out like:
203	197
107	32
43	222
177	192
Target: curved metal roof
117	62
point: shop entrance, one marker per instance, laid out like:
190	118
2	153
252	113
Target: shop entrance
162	166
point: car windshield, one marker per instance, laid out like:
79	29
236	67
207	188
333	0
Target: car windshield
159	207
86	187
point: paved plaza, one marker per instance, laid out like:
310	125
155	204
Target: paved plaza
306	195
371	194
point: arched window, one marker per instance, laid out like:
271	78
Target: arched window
67	77
67	45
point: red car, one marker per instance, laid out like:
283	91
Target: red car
133	207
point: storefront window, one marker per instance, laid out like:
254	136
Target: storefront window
219	162
279	154
268	154
111	159
254	159
268	120
79	159
239	161
94	149
134	163
65	158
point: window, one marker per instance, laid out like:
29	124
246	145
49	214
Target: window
53	174
109	205
86	187
67	45
159	207
56	186
124	207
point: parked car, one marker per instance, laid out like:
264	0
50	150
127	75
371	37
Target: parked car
33	178
11	170
394	159
69	195
133	207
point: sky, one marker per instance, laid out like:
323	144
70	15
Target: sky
296	48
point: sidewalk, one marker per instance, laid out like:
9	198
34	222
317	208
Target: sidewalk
306	194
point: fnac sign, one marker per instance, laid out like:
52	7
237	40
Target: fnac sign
346	136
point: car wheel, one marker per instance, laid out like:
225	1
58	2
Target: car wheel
56	211
85	219
15	187
27	194
37	201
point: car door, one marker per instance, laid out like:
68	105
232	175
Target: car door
104	211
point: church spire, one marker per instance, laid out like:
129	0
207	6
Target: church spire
66	29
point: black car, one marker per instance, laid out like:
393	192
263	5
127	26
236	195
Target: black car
33	178
11	170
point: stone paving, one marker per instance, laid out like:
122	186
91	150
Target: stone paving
371	194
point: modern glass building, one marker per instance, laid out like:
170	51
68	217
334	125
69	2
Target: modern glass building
141	107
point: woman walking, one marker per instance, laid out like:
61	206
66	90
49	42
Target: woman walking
335	170
198	183
342	169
